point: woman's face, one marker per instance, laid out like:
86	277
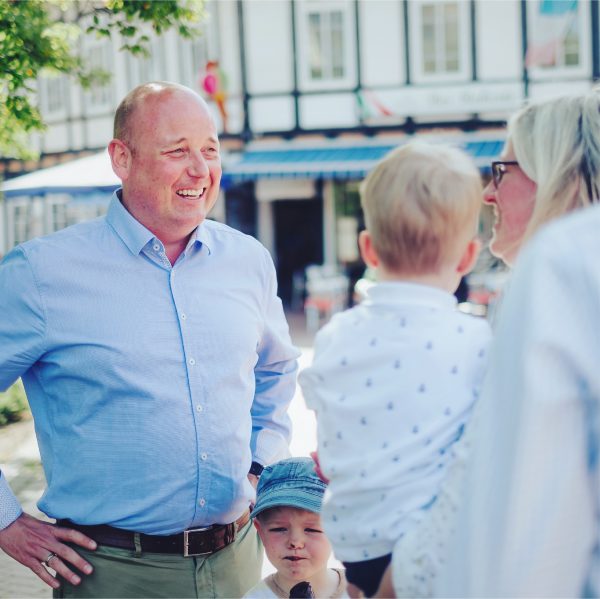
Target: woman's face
513	202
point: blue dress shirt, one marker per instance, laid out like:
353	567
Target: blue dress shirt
152	386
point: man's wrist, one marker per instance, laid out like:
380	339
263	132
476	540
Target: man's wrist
256	469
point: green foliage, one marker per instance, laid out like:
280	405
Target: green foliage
185	15
13	404
38	37
29	42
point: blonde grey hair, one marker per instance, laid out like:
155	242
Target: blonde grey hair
557	145
420	202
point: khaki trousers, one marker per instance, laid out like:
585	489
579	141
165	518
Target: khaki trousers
229	573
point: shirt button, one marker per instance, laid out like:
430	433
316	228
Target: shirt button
199	408
191	361
156	247
204	456
183	316
202	502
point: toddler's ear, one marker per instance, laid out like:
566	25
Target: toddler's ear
367	251
469	257
258	527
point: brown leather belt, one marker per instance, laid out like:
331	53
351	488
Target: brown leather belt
189	543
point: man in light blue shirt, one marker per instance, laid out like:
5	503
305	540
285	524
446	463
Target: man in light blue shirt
158	365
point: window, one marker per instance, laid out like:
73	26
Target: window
98	57
558	37
440	38
199	57
326	35
326	44
151	68
58	216
441	33
53	95
21	229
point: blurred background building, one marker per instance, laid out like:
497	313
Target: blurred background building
308	95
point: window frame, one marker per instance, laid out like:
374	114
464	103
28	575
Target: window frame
100	51
45	84
416	24
304	9
584	68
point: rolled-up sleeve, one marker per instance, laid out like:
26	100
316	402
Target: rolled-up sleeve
275	375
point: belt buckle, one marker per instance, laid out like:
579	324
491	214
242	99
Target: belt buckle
186	542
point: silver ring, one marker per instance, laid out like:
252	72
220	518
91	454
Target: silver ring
50	557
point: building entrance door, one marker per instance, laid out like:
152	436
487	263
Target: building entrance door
298	242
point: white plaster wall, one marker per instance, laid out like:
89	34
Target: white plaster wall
381	42
552	89
268	46
499	45
272	114
56	138
99	131
331	110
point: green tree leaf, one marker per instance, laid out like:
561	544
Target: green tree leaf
36	37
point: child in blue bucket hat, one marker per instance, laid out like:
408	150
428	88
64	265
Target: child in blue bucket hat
287	518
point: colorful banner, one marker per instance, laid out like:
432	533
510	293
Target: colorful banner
548	32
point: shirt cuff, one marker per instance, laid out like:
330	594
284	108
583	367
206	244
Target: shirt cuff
270	447
10	509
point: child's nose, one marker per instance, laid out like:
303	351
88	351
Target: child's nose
296	540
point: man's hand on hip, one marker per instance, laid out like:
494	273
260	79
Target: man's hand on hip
39	546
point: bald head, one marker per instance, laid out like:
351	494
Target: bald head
137	97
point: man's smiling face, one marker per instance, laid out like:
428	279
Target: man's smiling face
175	170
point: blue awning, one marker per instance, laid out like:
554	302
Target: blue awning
343	160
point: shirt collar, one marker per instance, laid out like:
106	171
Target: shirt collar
400	292
136	236
201	236
131	231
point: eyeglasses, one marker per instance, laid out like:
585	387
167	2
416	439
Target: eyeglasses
499	168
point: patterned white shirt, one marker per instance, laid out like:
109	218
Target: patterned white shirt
393	383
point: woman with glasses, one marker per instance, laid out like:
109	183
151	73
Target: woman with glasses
550	166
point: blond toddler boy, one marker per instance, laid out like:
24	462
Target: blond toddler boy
394	379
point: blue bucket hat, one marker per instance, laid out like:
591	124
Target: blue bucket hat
290	483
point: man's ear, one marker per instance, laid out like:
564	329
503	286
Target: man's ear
367	251
469	257
120	157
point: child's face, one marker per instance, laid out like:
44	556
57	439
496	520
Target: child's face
295	543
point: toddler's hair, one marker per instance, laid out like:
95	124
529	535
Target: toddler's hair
421	202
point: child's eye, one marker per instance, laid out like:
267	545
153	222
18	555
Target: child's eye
277	529
313	530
